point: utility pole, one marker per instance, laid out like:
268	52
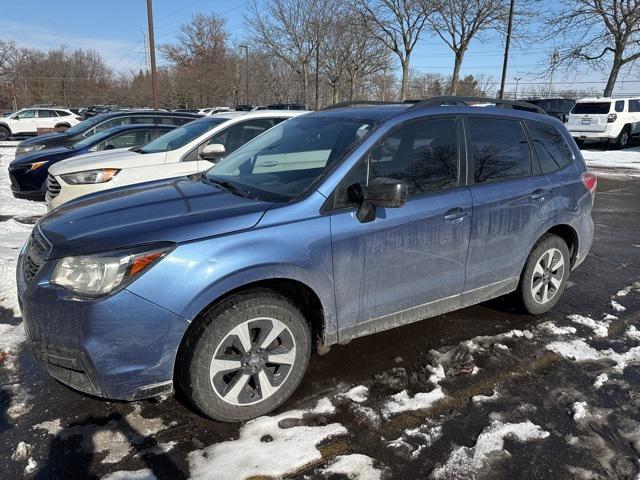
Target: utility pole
246	72
517	79
554	63
152	55
317	63
506	48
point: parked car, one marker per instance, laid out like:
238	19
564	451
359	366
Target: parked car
286	106
330	226
27	121
100	123
189	149
28	174
611	120
556	107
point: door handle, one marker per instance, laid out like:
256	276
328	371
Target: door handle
268	164
539	194
455	215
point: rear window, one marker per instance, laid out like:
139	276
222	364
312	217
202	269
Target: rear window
551	147
595	108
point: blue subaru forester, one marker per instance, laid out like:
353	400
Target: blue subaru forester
330	226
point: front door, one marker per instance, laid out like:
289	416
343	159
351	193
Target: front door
409	262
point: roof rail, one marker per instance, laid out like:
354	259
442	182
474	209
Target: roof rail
356	103
499	103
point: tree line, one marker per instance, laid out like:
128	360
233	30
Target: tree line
318	53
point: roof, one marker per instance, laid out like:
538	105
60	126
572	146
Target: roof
370	112
146	113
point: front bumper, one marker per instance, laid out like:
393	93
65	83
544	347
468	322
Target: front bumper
26	185
71	192
121	347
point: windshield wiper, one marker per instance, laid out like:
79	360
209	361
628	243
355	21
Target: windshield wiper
231	187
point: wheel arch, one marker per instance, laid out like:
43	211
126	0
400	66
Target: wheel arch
5	125
63	124
570	236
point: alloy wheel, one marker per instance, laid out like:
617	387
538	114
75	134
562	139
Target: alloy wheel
547	276
252	361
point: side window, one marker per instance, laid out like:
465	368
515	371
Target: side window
28	114
619	106
62	113
167	121
179	120
423	154
143	120
155	133
46	114
115	122
237	135
634	106
551	147
499	149
125	140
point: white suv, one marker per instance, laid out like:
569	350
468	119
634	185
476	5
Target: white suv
28	120
614	120
192	148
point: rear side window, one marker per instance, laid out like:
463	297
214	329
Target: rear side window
62	113
634	106
551	147
620	106
46	113
499	149
591	108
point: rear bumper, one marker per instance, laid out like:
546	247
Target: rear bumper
595	136
121	347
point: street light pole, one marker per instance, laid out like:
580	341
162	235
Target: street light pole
517	79
246	68
506	48
152	55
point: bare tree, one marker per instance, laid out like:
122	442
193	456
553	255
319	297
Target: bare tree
457	22
398	24
599	33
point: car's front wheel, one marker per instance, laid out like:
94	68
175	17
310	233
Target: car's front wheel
245	356
545	274
5	133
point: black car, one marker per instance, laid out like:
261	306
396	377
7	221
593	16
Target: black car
28	174
98	124
556	107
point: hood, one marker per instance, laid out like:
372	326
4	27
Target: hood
120	158
43	155
44	139
174	210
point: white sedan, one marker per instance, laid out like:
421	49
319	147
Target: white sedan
192	148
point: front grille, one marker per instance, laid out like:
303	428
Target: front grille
53	187
37	250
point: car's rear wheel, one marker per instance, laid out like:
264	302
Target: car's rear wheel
623	139
245	356
545	275
5	133
63	126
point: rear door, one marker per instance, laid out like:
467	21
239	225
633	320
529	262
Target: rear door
508	193
410	261
589	117
634	116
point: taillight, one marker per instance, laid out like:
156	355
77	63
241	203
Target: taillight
590	181
612	118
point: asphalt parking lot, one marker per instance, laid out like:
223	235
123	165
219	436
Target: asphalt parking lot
485	392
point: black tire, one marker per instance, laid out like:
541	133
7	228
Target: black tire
212	334
5	133
623	139
64	126
531	277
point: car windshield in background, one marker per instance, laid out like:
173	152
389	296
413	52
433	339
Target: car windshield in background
595	108
181	136
83	125
288	159
87	142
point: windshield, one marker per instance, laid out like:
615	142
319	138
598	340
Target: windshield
288	159
600	108
87	142
181	136
83	125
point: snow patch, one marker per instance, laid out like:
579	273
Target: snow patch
20	400
31	466
324	407
580	351
22	452
600	328
355	467
144	474
357	394
466	462
52	427
274	451
580	411
553	329
402	402
617	307
633	333
600	381
478	399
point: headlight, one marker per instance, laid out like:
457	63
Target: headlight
101	274
101	175
37	165
29	148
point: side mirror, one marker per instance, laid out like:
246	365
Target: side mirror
382	192
212	152
16	118
109	146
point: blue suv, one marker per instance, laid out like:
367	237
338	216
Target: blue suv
330	226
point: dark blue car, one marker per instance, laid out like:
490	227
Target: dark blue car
28	173
330	226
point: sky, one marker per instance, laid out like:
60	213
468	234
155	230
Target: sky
117	28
